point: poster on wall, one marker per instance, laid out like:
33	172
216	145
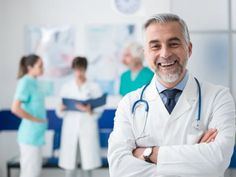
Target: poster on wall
56	47
104	45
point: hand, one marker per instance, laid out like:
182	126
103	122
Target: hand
84	108
63	107
209	136
38	120
138	153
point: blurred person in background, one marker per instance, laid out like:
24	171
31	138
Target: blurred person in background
80	136
137	75
29	105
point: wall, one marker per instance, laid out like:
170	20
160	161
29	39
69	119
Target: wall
17	14
1	59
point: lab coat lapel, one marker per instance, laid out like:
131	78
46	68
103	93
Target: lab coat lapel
153	97
151	93
186	100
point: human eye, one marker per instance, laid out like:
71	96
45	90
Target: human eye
174	44
155	46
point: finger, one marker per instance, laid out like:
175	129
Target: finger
212	137
79	106
206	135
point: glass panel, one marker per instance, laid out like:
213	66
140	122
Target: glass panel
234	67
202	14
233	5
209	60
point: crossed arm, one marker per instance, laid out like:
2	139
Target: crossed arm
207	137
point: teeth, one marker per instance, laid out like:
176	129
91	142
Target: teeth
167	64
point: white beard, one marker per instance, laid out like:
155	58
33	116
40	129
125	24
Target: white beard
169	78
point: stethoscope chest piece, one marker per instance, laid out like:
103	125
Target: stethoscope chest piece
197	124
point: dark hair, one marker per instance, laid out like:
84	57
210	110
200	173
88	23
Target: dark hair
25	62
79	63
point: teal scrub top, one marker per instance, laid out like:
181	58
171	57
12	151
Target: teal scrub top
127	84
30	93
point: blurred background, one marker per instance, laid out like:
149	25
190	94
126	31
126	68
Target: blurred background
58	30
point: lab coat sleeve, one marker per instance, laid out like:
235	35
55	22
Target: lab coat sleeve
121	144
59	112
210	159
97	92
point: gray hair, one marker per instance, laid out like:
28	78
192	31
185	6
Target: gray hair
136	50
166	18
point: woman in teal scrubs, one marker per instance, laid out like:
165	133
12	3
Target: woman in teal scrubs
29	105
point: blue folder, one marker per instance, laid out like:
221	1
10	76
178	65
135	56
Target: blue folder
94	102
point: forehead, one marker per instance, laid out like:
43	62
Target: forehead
39	61
164	31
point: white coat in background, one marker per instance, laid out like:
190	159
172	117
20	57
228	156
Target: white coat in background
179	154
80	129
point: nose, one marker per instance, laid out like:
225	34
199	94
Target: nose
165	52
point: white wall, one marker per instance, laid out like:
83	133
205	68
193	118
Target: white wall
1	43
17	14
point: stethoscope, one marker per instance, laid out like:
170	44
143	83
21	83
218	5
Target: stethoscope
196	124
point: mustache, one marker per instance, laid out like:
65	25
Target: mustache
166	61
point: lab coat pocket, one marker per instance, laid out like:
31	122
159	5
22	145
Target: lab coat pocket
194	136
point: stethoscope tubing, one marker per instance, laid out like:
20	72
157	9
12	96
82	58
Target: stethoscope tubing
141	100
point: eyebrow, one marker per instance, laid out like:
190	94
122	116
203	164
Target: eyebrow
174	39
154	41
169	40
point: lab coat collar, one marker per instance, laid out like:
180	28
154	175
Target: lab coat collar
190	91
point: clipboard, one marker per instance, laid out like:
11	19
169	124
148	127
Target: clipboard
93	102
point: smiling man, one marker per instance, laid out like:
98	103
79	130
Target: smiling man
176	125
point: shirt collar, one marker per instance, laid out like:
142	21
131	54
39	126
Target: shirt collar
179	86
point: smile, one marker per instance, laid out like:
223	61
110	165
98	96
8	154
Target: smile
169	64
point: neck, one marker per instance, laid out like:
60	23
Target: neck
32	75
172	84
81	81
136	68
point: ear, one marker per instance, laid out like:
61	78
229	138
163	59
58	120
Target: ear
190	46
29	68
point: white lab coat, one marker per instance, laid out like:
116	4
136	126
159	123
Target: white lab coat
179	153
79	129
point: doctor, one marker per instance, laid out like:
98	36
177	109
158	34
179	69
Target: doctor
181	126
80	137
